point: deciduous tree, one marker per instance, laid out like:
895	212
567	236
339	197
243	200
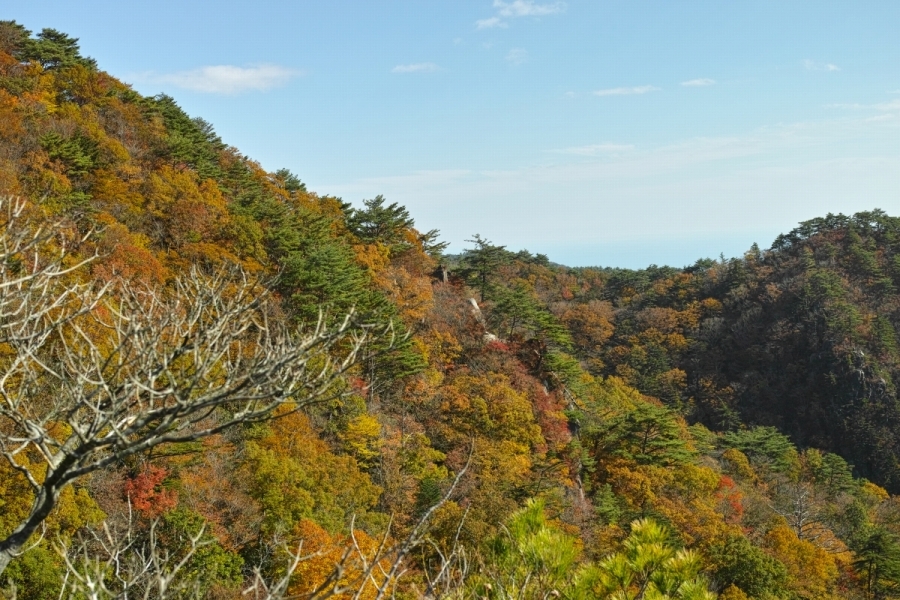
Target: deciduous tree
90	376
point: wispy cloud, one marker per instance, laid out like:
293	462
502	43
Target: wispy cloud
885	106
425	67
765	180
702	82
811	65
225	79
627	91
490	23
526	8
517	9
517	56
596	149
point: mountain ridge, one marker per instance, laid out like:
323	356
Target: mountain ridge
611	413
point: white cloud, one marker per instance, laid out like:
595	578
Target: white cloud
225	79
811	65
892	105
425	67
569	94
489	23
517	56
750	186
596	149
702	82
526	8
626	91
886	106
516	9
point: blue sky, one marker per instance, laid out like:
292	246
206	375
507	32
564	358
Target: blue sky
614	133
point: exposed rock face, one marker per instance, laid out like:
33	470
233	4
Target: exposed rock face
476	312
487	337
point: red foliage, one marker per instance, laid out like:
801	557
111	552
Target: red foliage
549	407
358	385
145	495
496	346
731	500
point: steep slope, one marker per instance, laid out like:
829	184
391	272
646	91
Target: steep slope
802	337
559	408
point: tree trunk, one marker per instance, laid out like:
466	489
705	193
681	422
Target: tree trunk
17	540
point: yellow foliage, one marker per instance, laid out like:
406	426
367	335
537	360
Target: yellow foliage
374	257
608	539
413	296
691	481
74	510
711	305
439	348
878	493
613	392
664	320
733	592
635	484
676	342
488	405
362	439
294	475
673	381
736	462
813	571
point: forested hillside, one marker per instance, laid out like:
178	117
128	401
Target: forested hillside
801	337
216	383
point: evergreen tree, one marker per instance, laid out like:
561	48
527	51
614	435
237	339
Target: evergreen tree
764	446
518	312
13	38
289	181
739	563
55	50
480	263
530	559
431	246
380	223
646	434
52	49
648	567
191	142
878	561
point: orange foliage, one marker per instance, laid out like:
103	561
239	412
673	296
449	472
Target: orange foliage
214	489
145	494
813	571
325	553
124	256
411	295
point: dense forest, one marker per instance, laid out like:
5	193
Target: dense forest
216	383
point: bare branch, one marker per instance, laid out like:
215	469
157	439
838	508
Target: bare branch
90	376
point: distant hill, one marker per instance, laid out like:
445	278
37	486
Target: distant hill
802	336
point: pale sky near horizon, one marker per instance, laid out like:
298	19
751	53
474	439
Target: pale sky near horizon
598	132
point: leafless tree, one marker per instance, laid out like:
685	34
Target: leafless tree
108	564
90	375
